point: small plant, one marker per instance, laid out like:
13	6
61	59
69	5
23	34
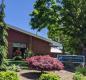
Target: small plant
8	76
44	63
79	76
21	64
14	68
80	73
82	70
3	68
28	53
17	58
49	76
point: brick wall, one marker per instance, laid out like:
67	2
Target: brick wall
38	46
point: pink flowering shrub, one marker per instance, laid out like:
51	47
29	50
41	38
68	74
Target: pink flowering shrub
44	63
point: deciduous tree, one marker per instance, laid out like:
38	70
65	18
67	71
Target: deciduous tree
65	20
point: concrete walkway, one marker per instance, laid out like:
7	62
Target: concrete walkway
33	75
29	75
65	75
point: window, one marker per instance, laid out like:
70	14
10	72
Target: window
21	45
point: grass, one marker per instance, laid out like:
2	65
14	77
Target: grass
21	63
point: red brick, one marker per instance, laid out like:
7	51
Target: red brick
38	45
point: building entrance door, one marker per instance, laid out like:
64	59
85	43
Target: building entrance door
19	49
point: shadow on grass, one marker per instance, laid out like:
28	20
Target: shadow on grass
31	75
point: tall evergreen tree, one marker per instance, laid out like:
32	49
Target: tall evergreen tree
3	35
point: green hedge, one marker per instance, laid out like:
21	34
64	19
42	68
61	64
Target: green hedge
8	76
49	76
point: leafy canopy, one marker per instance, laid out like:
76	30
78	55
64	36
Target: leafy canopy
65	20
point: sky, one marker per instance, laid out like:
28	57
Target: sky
17	14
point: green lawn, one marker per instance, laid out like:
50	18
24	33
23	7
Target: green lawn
21	63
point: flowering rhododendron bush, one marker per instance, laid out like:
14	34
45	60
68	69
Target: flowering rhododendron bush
45	63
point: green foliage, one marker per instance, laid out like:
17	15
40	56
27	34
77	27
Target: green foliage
49	76
42	15
81	70
79	76
29	53
20	64
8	76
3	67
17	58
13	68
80	73
69	43
3	36
65	21
73	20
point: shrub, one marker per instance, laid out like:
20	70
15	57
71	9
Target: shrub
81	70
46	63
8	76
79	76
3	67
49	76
21	64
29	54
14	68
17	58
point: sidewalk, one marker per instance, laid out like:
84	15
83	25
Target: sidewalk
28	75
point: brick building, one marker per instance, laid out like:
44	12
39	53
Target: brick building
20	39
